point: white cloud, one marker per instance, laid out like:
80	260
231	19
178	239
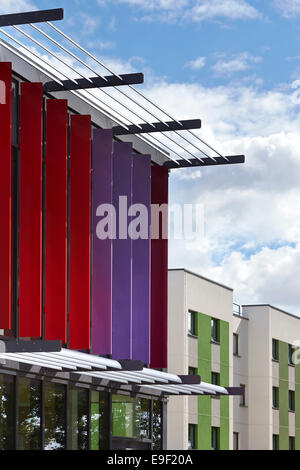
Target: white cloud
288	8
230	9
12	6
192	10
237	63
197	63
252	211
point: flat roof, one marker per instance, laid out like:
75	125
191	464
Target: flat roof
201	277
274	308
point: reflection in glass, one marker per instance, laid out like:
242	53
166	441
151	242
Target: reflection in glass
7	415
99	420
29	401
157	424
131	417
79	406
55	416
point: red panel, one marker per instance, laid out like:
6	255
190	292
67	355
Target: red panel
5	195
159	277
80	232
56	221
31	154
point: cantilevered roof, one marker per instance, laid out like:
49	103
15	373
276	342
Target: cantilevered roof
64	61
130	373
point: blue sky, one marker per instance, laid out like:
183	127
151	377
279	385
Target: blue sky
262	42
236	65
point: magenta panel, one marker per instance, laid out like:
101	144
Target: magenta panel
122	255
141	196
101	248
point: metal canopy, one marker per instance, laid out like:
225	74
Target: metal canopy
28	17
158	127
125	106
112	372
94	82
230	160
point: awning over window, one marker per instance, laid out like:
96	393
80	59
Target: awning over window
130	373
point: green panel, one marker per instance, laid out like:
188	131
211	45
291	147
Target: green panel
297	406
204	346
224	382
283	396
204	430
204	369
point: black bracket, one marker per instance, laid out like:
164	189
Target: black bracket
158	127
231	160
95	82
39	16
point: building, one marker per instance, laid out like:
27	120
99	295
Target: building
246	346
200	332
83	350
263	363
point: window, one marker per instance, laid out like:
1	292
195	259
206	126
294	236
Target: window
192	371
78	415
29	408
275	400
192	436
236	443
243	397
99	420
55	416
291	351
215	378
215	438
7	414
192	323
291	443
130	417
291	400
235	344
157	425
275	350
215	330
275	442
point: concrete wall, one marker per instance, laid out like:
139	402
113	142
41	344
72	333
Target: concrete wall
188	291
240	376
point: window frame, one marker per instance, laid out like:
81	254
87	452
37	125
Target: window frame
192	323
193	442
215	436
292	401
243	397
275	441
290	355
217	376
275	350
236	340
215	330
275	398
292	443
236	441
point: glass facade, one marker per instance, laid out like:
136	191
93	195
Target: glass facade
157	430
7	412
55	416
130	417
99	420
79	415
37	414
29	414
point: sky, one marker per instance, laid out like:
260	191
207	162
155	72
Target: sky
236	65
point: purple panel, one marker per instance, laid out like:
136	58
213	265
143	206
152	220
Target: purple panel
141	190
122	254
101	249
